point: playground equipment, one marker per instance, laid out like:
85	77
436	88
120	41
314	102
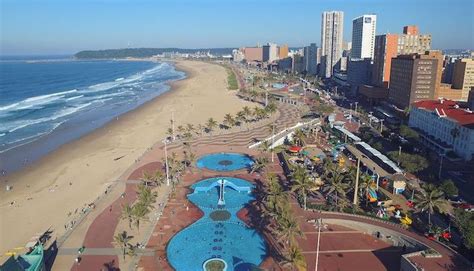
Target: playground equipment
372	193
406	220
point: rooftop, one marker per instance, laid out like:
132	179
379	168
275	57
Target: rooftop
448	108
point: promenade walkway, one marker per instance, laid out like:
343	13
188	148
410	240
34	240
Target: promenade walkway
99	234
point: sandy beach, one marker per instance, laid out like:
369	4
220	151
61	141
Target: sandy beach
75	174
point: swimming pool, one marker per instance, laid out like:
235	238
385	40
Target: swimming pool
219	233
225	161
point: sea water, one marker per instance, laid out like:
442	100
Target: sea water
45	103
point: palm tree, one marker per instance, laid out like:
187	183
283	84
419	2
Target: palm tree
199	129
259	164
189	128
229	121
298	137
127	214
181	129
146	178
302	183
211	124
295	259
140	211
271	108
265	147
169	132
431	199
274	194
240	117
288	229
335	182
158	178
256	113
247	112
191	158
122	240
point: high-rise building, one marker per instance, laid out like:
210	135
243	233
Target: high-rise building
411	42
238	55
283	51
413	78
363	36
463	75
270	52
253	54
385	49
310	59
332	23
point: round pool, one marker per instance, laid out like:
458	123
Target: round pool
225	161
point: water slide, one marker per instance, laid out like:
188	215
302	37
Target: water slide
372	195
226	184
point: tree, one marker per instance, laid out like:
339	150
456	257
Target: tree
335	182
302	183
140	211
240	117
288	229
295	259
127	214
229	120
449	188
407	132
259	164
298	137
465	223
274	195
246	112
122	240
271	108
410	162
265	147
431	199
211	124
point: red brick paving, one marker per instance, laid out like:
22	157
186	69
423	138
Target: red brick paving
100	233
101	262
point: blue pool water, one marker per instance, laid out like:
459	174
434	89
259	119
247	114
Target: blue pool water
213	236
225	161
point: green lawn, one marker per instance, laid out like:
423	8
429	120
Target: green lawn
231	80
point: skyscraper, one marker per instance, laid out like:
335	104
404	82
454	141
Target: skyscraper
310	59
363	36
283	51
463	75
385	49
332	23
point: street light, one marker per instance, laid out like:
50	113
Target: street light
319	225
356	106
381	124
166	164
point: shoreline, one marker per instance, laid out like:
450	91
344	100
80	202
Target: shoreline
75	173
24	155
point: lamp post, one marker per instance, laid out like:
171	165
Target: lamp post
318	224
273	141
172	125
356	189
381	125
166	164
356	106
399	153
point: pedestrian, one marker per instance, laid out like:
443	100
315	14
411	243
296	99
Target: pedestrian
110	209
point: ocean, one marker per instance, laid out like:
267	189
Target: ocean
45	103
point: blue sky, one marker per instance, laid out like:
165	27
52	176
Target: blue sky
67	26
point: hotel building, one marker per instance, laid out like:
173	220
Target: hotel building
363	36
444	126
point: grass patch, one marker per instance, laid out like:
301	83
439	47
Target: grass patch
231	80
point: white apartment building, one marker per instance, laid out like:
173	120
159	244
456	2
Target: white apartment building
332	23
363	36
444	126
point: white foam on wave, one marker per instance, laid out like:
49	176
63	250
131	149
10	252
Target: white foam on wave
131	80
74	98
17	125
36	101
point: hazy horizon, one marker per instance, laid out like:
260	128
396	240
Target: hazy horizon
53	27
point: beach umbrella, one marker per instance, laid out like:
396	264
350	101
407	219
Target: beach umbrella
295	149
